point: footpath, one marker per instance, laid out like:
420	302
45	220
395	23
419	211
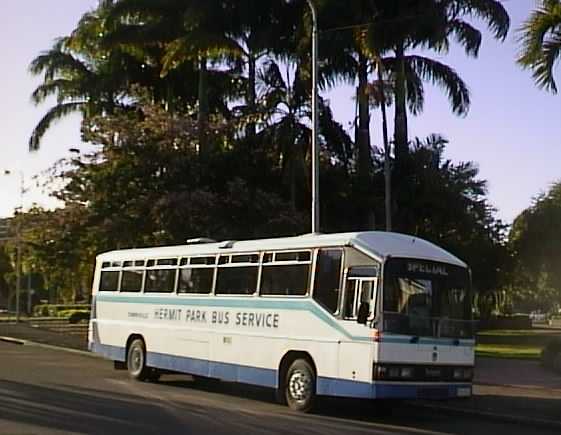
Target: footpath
511	390
504	389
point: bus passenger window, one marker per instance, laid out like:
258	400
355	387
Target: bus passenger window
109	281
160	281
285	280
327	285
236	280
131	281
197	281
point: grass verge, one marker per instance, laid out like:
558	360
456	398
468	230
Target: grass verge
508	351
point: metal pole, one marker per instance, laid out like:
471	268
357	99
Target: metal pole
29	292
387	167
18	266
315	148
18	247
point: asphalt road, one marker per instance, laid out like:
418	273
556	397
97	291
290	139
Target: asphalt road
44	391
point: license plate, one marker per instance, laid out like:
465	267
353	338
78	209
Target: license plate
464	392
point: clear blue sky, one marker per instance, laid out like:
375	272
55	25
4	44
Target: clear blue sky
513	131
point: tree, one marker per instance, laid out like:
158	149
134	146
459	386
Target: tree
540	38
535	242
6	271
406	26
446	204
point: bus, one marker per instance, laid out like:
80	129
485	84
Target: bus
363	315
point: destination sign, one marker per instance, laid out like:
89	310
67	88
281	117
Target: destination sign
428	268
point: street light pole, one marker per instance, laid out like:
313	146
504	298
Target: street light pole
18	245
315	119
18	240
315	148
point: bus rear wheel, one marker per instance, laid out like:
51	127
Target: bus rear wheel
300	386
136	361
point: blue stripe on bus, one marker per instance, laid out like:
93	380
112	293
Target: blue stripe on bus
115	353
213	369
269	378
268	304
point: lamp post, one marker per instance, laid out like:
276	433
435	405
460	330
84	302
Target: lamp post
18	241
315	149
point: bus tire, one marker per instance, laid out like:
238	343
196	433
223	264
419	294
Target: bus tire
136	361
300	386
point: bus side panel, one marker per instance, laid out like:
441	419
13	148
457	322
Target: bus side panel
249	354
179	348
110	332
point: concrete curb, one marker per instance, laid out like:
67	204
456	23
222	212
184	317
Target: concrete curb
12	340
50	346
526	421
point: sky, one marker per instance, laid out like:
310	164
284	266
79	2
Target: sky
512	132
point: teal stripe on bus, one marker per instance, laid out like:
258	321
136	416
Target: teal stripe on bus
259	303
270	304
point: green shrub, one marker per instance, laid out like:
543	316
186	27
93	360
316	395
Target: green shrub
58	310
41	310
78	316
74	314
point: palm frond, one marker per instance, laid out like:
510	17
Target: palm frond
55	62
54	114
492	12
444	77
543	68
415	90
61	88
539	38
466	35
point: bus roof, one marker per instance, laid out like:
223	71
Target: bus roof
379	244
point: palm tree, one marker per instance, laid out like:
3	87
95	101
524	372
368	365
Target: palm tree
345	59
217	39
82	75
541	43
430	24
75	81
283	101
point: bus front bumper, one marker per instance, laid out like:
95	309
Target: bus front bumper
393	390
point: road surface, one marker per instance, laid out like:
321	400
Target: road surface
46	391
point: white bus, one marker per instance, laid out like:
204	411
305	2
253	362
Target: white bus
365	315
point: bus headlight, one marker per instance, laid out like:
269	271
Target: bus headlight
393	372
407	372
463	373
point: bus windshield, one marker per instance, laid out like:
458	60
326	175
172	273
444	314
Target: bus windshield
428	299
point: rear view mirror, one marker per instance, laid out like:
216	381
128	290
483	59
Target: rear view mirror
363	312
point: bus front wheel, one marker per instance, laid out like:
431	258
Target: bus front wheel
136	361
300	386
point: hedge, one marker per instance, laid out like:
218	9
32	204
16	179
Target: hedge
58	310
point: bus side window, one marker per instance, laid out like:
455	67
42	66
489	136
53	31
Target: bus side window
109	281
327	284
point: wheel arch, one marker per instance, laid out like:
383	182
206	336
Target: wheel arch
288	358
133	336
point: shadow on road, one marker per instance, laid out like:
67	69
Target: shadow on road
75	411
390	413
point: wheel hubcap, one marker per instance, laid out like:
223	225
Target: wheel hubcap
136	360
300	385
